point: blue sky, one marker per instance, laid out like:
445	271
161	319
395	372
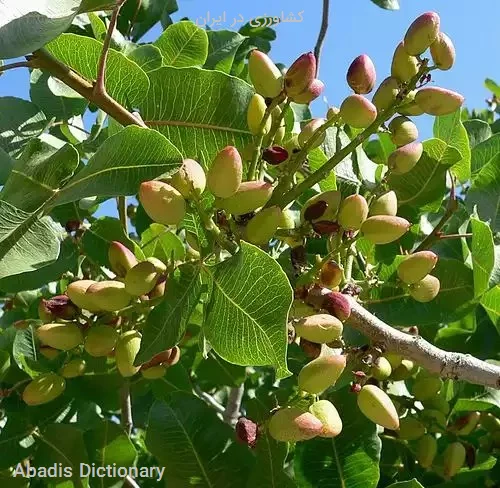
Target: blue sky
356	27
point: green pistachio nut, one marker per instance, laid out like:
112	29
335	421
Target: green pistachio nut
353	212
313	91
264	75
72	369
100	340
263	226
425	290
255	114
162	202
410	429
434	419
404	159
292	424
49	352
381	369
443	52
60	336
159	265
331	274
426	450
287	220
319	328
422	33
358	112
121	259
190	180
426	387
321	373
394	359
141	279
126	350
77	293
404	371
300	309
489	422
404	67
416	266
44	389
307	132
403	131
361	75
320	212
383	229
386	204
109	296
453	459
300	74
326	412
225	174
386	94
438	101
437	403
376	405
154	373
250	196
409	106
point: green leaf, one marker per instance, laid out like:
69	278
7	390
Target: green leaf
222	47
492	87
491	303
122	162
108	445
449	128
407	484
477	131
349	460
199	126
157	241
485	400
147	56
387	4
482	252
98	237
6	164
16	442
483	193
246	321
40	171
26	26
25	353
425	184
20	120
485	153
188	438
455	298
175	379
54	104
32	280
167	323
126	82
98	388
214	371
61	443
317	159
183	44
27	242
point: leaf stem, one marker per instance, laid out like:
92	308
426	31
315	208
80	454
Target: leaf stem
19	64
99	85
126	408
122	212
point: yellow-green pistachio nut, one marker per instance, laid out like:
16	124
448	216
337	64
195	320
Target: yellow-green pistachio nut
126	350
225	174
162	202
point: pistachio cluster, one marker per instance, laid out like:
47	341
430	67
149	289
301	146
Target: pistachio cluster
87	320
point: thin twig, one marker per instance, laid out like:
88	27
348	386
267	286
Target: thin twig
452	365
19	64
209	399
99	86
232	410
322	33
130	482
454	236
121	203
54	67
126	408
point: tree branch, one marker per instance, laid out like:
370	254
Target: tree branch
99	86
19	64
54	67
322	33
232	411
452	365
126	408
